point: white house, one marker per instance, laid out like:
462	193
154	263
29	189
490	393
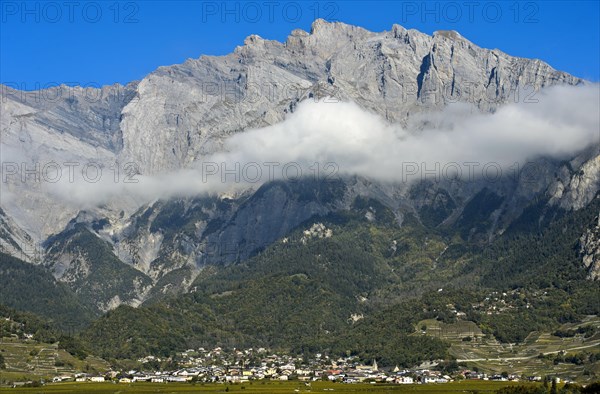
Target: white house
62	378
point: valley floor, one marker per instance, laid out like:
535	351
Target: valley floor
263	387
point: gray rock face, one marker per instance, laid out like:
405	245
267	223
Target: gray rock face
576	188
15	241
271	213
181	113
42	133
87	264
589	249
90	114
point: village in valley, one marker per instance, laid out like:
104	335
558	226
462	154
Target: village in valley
242	366
566	355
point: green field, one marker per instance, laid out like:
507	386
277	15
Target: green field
263	387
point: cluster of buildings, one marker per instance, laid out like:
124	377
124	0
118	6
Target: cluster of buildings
498	302
240	366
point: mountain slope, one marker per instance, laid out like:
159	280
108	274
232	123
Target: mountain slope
87	265
354	281
131	247
30	288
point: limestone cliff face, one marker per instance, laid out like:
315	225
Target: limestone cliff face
87	264
589	249
15	241
181	113
575	189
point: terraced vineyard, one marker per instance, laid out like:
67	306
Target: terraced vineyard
487	354
28	359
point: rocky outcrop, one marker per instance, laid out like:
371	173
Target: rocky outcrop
589	249
87	264
271	213
16	242
577	183
90	114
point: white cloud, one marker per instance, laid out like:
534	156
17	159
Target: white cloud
564	121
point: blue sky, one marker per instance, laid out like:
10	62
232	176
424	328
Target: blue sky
102	42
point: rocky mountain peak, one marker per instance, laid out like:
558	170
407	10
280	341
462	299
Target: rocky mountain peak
448	34
319	25
253	39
